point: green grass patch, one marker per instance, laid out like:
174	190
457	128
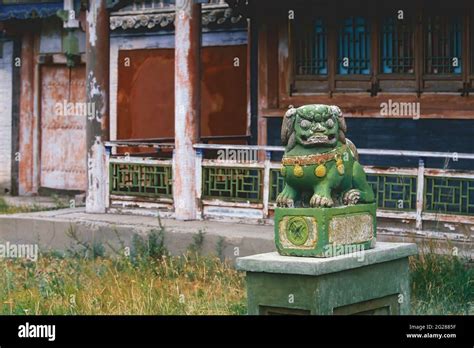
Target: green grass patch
6	208
142	279
441	284
145	280
189	284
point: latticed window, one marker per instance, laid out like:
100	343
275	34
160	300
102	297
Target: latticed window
311	48
341	52
443	44
354	46
397	46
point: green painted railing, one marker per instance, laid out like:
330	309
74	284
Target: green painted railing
394	192
406	193
140	179
449	195
277	183
235	184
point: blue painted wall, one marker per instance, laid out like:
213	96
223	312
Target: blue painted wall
404	134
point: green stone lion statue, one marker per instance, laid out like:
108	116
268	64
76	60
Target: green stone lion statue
319	160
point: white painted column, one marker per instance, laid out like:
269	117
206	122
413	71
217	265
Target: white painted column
6	116
187	107
97	128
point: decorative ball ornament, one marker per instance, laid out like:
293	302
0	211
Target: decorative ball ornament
298	171
340	165
283	171
340	169
320	171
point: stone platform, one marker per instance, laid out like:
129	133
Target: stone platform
374	281
49	229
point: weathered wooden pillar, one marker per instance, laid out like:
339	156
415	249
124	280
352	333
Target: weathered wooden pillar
27	122
263	88
187	107
97	89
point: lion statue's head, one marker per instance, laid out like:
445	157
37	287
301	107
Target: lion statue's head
313	125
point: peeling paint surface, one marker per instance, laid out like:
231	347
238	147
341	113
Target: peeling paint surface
26	116
63	141
348	229
97	94
96	168
92	21
6	115
187	107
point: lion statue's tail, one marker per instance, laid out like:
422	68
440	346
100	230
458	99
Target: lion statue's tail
353	149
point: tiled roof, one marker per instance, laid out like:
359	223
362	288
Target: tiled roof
216	16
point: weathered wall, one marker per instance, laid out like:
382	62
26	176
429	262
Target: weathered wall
50	40
52	150
146	93
6	116
125	43
51	36
63	134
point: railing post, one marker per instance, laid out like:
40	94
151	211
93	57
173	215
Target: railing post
108	153
198	171
266	183
420	191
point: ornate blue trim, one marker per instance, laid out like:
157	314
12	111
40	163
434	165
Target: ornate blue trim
29	11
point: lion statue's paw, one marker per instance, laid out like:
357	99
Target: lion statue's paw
285	201
320	201
351	197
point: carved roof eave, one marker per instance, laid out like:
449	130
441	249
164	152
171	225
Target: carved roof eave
164	18
240	6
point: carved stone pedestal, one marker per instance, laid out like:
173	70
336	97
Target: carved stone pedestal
373	281
325	232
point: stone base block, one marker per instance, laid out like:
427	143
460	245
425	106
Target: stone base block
325	232
376	281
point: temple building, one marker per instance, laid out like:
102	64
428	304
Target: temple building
175	108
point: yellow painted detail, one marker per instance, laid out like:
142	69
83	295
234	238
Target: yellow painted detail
340	169
298	171
320	171
340	165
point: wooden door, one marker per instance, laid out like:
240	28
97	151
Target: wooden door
63	128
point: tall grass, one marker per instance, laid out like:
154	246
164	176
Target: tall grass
189	284
145	279
441	284
141	280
